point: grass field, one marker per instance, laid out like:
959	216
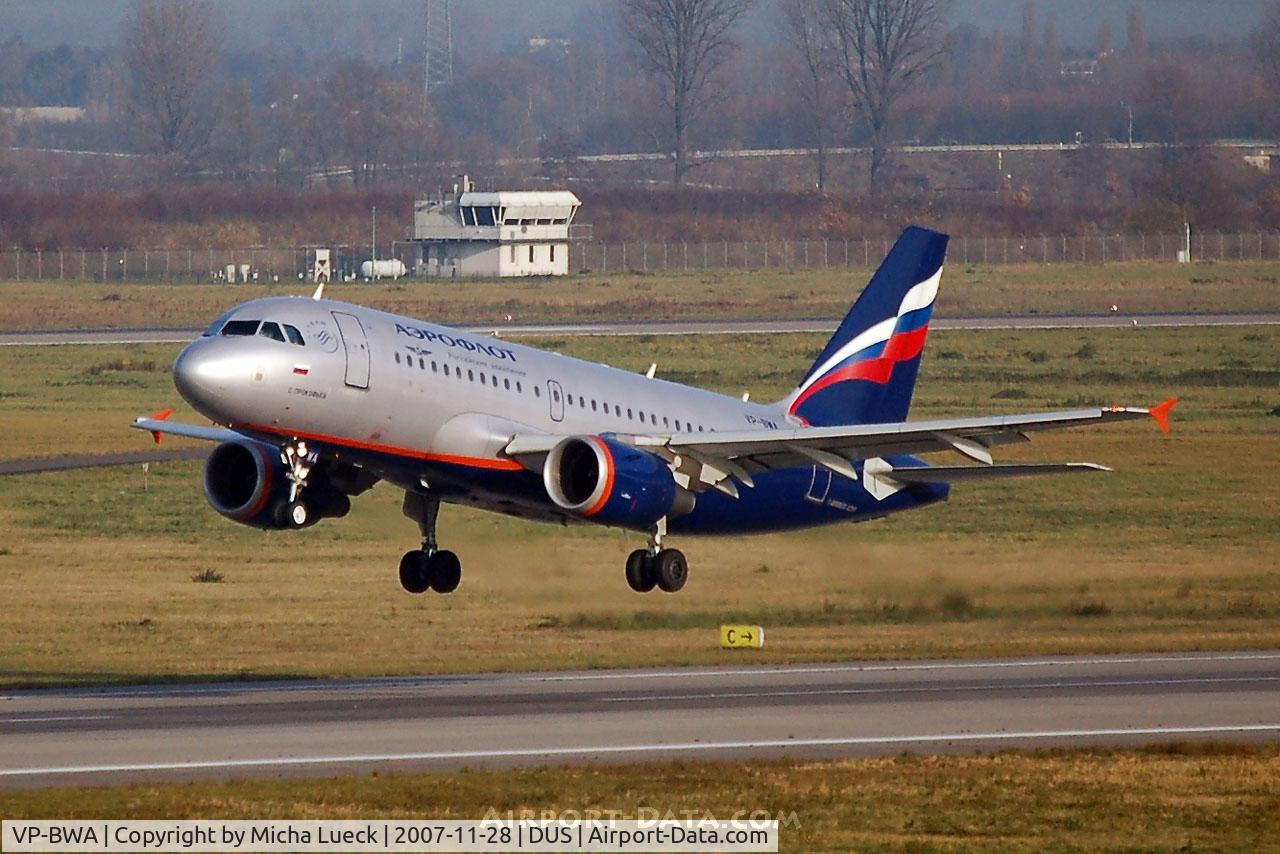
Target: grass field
1136	287
1178	549
1213	798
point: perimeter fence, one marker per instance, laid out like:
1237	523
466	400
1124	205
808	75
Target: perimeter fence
272	264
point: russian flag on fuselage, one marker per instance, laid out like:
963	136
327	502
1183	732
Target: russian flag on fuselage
867	372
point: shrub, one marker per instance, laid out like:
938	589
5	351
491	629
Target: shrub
1094	608
957	604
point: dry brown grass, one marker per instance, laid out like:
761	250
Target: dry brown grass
1177	547
1138	287
1185	797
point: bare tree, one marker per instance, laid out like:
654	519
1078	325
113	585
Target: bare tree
812	76
170	54
882	48
682	43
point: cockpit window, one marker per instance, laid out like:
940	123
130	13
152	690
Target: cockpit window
241	327
217	324
295	337
271	330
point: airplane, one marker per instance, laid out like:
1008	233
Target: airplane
314	401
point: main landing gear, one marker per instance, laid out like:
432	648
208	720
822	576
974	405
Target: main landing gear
655	566
428	568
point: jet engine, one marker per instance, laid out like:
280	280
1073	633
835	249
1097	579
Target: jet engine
607	481
247	482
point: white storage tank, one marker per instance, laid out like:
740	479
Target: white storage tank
383	268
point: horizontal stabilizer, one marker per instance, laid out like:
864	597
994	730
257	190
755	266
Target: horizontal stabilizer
954	474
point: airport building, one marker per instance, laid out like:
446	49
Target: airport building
503	233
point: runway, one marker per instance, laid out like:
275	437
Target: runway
178	732
690	327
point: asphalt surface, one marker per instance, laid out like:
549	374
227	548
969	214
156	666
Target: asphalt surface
70	462
61	737
691	327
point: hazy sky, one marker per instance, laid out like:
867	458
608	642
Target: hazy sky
501	24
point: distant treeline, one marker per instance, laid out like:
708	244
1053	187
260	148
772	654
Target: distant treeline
1085	194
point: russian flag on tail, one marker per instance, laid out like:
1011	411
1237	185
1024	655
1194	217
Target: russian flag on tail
867	372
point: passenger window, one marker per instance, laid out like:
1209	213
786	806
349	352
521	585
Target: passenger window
471	375
422	364
397	357
519	388
555	395
495	381
506	384
482	380
435	368
537	392
593	406
446	369
241	327
272	331
294	336
665	421
630	417
677	424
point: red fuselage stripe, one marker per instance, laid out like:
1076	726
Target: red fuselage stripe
342	441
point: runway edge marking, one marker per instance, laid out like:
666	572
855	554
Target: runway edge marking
606	750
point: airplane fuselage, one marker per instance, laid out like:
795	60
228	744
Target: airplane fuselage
431	407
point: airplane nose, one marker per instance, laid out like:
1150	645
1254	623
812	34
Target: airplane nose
194	380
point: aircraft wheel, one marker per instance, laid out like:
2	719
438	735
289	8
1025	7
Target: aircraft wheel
415	571
446	571
292	514
640	571
299	513
671	569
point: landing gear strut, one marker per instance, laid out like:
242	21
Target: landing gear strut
428	568
655	566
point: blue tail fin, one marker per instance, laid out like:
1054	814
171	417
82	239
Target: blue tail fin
867	372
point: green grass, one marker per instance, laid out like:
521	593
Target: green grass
1073	288
1177	549
1176	797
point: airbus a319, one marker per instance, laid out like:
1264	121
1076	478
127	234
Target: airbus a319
315	401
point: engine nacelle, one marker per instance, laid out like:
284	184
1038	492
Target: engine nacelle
606	481
247	482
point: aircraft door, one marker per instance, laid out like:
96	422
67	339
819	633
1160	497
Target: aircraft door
820	485
555	396
356	344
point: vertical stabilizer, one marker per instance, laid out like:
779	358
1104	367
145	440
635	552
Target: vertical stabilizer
867	372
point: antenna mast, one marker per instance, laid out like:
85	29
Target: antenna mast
437	48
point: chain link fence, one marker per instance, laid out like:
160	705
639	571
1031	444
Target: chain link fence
268	264
811	254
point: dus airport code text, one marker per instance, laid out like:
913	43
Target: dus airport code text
357	836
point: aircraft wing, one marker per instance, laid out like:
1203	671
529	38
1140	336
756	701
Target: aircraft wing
712	459
158	425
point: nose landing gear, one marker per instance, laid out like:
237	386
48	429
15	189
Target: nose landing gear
428	568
